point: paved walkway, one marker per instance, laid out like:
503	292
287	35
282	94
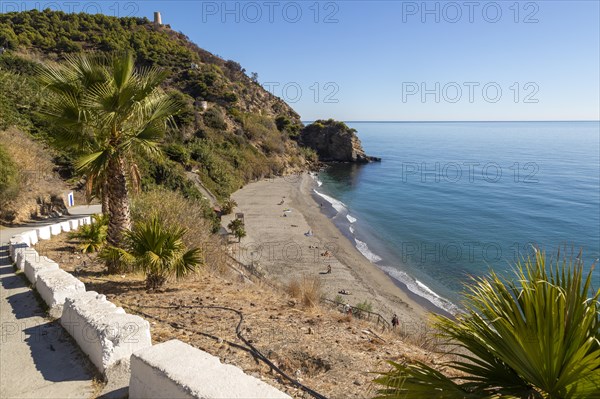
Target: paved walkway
37	357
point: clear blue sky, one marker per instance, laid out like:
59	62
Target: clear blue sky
376	57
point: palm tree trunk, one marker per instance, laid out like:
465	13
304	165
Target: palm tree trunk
104	194
118	206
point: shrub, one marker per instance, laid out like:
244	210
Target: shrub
196	216
237	228
230	97
228	206
308	290
92	237
213	117
283	123
364	306
309	154
158	251
177	152
9	178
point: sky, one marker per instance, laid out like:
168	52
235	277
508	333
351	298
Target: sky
400	60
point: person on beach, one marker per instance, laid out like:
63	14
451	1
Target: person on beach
347	309
328	269
395	321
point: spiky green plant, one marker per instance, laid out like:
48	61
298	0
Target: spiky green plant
92	237
158	251
534	337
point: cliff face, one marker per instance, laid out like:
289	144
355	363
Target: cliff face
334	142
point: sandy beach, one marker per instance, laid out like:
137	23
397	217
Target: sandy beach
283	249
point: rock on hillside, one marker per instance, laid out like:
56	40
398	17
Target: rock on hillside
334	142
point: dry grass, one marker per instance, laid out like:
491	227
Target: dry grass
41	190
307	290
176	210
328	351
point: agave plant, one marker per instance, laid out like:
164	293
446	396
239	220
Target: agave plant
158	251
92	237
534	337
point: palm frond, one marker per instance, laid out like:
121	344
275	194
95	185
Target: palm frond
536	336
94	164
418	381
92	237
159	251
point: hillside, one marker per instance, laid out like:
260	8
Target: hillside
230	131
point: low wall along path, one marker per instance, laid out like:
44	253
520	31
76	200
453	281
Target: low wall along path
109	336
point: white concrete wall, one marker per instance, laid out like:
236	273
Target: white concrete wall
31	237
103	331
85	220
175	369
22	255
55	286
34	266
65	226
43	233
16	242
74	224
56	229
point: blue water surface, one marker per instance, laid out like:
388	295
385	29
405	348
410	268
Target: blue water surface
454	200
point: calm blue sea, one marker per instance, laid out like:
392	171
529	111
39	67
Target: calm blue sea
453	200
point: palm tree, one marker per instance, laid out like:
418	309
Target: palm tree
158	251
535	337
237	228
111	111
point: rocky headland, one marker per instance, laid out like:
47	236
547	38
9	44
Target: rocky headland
334	141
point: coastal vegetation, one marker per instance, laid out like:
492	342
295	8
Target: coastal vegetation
92	237
308	290
179	110
9	178
236	226
232	141
158	251
109	113
537	336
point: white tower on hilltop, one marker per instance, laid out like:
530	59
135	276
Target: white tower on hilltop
157	18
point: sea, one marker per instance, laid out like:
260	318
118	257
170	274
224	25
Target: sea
451	201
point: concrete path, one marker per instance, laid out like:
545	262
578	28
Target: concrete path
38	359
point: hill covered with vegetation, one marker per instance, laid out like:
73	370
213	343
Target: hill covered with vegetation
230	130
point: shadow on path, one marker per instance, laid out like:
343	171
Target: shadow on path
28	335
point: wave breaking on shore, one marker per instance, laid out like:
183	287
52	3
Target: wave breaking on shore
420	289
412	284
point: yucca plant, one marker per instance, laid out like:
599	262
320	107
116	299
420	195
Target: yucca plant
158	251
92	237
534	337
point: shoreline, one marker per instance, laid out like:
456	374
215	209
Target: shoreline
348	230
282	249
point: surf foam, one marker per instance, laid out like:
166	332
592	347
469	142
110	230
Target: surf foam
364	249
420	289
337	205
